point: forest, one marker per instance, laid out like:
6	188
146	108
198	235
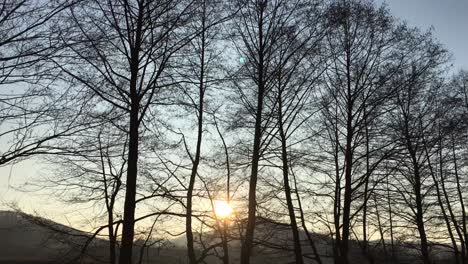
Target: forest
250	131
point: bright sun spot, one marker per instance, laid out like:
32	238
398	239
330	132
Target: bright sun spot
222	209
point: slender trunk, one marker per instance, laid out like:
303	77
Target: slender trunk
287	188
113	231
439	199
109	200
228	197
447	221
390	219
419	213
417	183
348	161
110	231
464	237
366	195
459	187
364	221
128	231
381	230
421	229
225	242
346	204
226	221
130	193
337	200
188	223
248	241
142	253
303	223
246	249
196	160
112	239
419	217
452	217
449	207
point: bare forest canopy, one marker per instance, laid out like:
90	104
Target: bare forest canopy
241	131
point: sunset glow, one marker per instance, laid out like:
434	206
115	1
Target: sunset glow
222	209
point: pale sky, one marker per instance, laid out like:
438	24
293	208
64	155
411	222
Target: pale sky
448	17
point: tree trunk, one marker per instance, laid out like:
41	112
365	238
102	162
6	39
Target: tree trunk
246	249
346	204
348	162
390	219
366	195
464	238
130	193
417	183
225	242
128	231
196	161
109	201
112	239
287	188
419	213
440	202
248	241
337	200
303	223
381	230
225	232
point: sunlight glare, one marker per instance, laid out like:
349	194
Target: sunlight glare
222	209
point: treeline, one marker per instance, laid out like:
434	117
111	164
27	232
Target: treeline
329	117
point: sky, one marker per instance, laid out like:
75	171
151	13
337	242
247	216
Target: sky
449	19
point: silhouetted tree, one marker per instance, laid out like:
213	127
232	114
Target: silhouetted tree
122	52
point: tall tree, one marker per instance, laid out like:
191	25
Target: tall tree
413	127
297	74
364	46
121	52
251	25
203	64
265	34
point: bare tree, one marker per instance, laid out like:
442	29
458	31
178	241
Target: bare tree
122	52
365	53
297	72
203	64
251	26
414	119
263	29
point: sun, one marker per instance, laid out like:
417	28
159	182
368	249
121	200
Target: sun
222	209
